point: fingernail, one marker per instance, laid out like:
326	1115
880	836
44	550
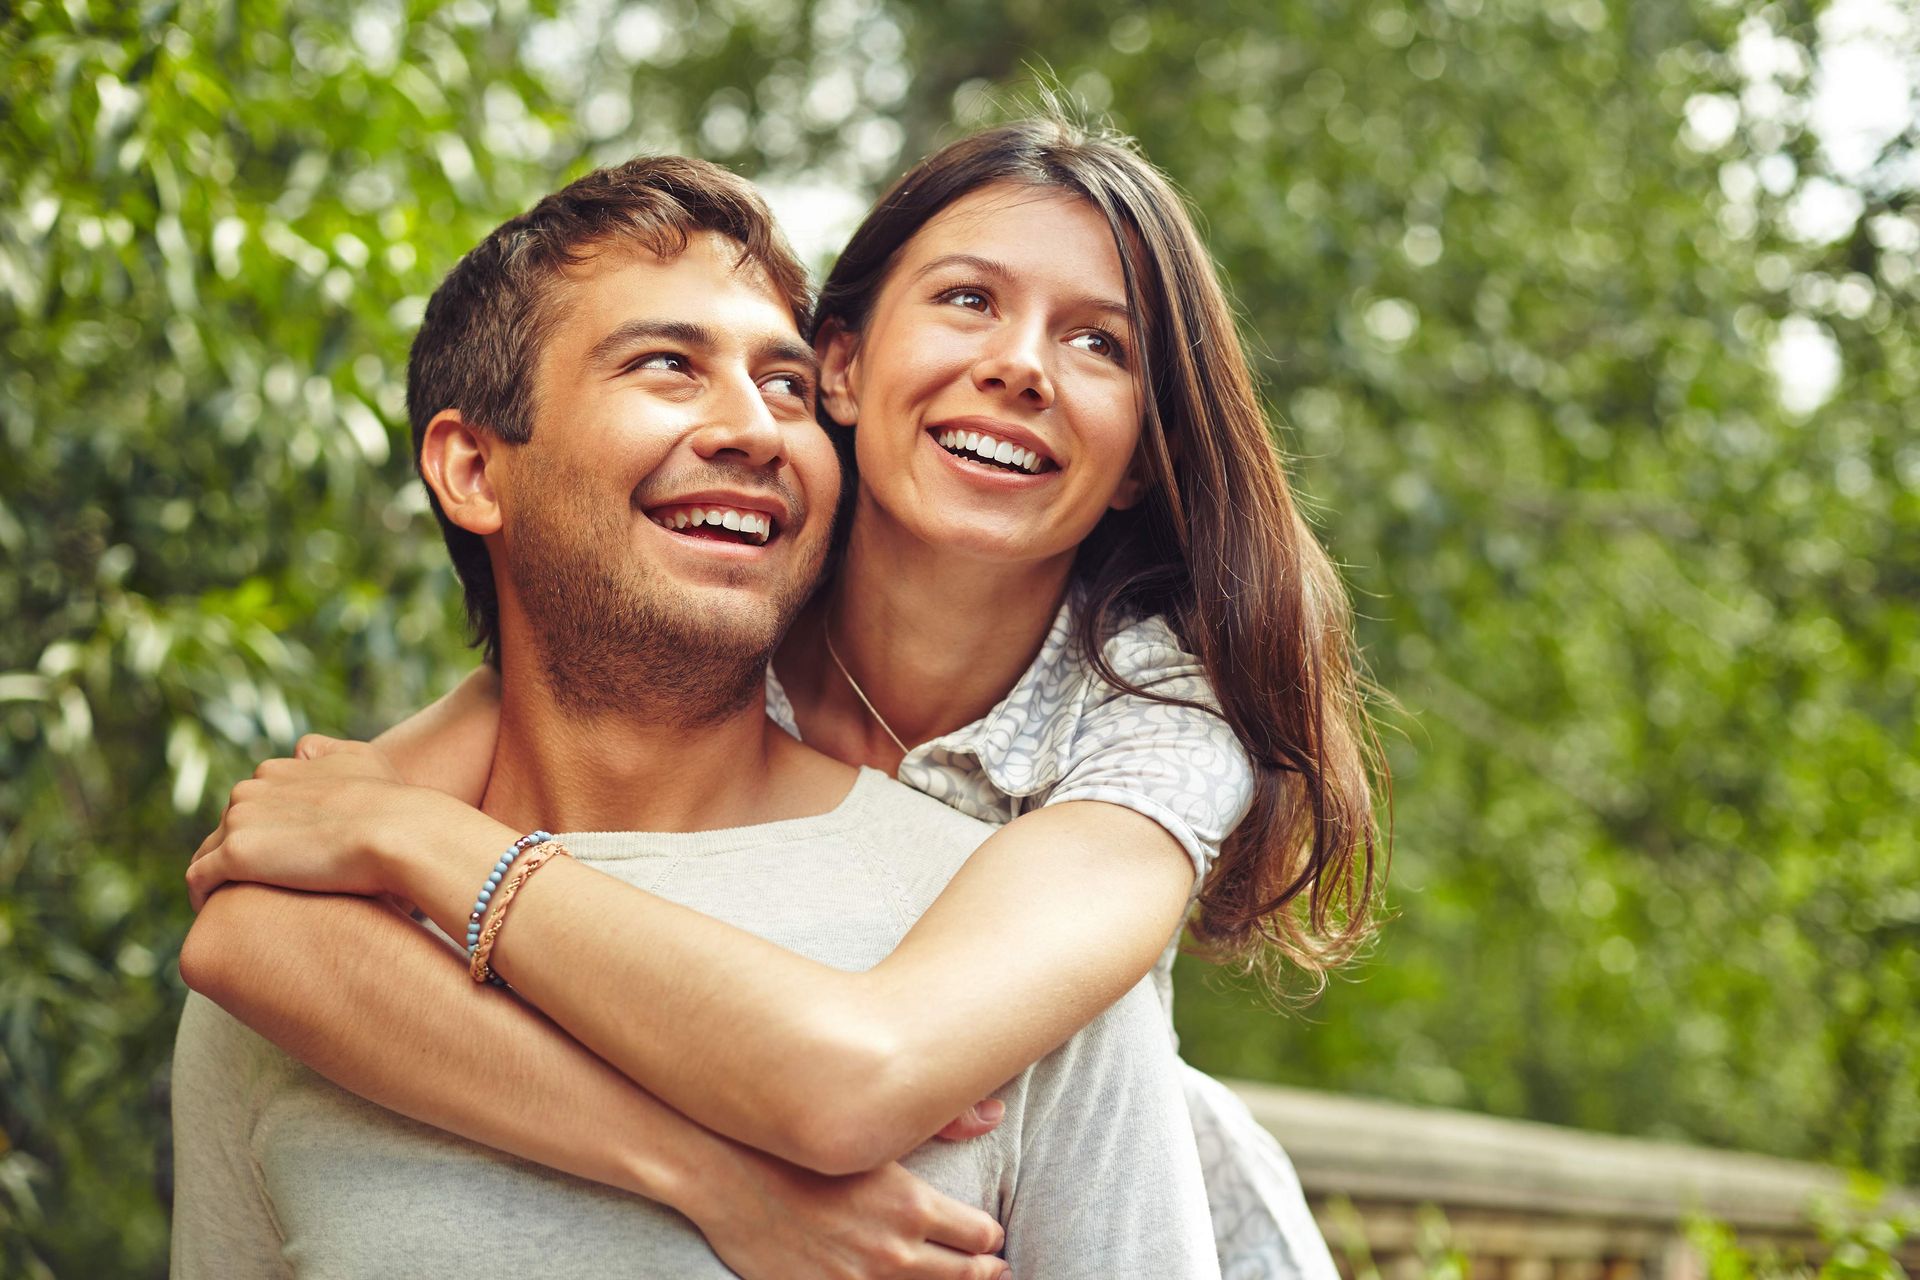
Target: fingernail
990	1110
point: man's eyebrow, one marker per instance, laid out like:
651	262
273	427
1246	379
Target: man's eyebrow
999	271
794	352
635	332
684	333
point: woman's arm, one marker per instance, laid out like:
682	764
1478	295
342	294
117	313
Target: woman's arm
448	745
371	1001
1046	924
1049	922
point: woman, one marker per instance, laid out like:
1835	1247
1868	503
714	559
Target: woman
1033	618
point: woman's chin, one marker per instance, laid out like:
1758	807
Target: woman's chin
985	542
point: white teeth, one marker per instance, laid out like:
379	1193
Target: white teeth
751	523
994	450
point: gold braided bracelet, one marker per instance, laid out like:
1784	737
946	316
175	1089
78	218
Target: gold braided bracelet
478	969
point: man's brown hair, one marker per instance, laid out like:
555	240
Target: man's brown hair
480	341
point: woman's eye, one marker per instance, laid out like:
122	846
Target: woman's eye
1100	344
971	299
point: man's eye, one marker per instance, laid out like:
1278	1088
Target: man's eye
666	360
789	384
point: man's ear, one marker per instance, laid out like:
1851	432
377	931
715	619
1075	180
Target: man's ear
839	349
454	455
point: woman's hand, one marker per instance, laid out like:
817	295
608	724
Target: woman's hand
317	822
777	1221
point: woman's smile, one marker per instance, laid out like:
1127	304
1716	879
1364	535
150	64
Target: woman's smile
994	445
995	407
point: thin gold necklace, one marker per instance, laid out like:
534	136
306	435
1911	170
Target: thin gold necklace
826	632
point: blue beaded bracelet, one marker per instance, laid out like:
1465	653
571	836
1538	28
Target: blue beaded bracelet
494	877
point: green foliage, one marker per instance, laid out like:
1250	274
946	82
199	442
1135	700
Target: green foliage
1655	635
1859	1241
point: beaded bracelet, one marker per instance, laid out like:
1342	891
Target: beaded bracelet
493	882
478	969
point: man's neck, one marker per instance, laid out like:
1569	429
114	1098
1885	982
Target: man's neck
637	771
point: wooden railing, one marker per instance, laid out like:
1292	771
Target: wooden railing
1394	1185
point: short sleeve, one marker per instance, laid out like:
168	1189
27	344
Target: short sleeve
1179	765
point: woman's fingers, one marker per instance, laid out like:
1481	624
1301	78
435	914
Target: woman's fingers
963	1227
203	874
945	1264
982	1117
207	845
314	745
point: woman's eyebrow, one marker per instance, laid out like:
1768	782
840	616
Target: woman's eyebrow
972	262
1000	271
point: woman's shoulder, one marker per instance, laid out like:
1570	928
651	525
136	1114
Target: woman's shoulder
1148	652
1154	741
1069	704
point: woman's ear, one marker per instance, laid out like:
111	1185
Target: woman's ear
1133	485
839	349
453	461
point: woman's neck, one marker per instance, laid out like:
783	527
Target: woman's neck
933	639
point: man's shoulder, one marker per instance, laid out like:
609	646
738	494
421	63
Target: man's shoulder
892	806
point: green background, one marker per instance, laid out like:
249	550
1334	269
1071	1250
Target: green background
1512	269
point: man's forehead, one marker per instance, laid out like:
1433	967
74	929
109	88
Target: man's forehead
711	272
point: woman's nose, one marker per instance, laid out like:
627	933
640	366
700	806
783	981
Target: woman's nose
1015	363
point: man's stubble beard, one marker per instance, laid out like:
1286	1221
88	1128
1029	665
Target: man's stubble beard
615	637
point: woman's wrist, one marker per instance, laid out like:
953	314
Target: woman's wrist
435	851
705	1179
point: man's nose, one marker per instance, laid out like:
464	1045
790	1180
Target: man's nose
740	427
1015	363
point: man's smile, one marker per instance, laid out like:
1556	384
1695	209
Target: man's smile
721	523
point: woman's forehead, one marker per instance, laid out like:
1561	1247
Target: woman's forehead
1024	228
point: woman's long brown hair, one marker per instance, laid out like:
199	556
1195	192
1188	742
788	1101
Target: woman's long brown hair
1218	549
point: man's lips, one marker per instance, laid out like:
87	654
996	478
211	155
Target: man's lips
748	520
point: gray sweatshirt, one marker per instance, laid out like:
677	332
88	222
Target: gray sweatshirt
1093	1170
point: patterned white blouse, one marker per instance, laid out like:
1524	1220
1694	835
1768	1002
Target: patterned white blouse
1063	733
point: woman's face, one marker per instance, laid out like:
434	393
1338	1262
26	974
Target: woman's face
993	387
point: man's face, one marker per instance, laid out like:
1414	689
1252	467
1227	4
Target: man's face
672	509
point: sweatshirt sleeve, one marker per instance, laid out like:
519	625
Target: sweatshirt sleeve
223	1223
1107	1181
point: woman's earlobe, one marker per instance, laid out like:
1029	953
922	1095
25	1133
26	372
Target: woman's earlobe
454	459
839	349
1133	485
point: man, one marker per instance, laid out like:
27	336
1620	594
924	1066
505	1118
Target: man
624	354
